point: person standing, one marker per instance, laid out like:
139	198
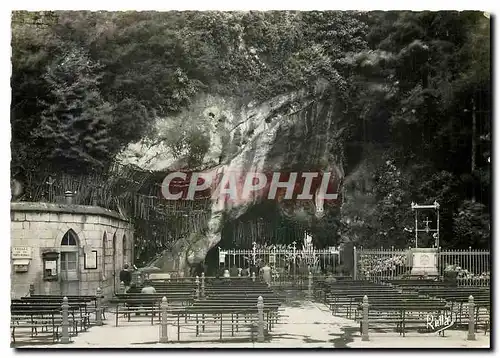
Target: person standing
233	271
266	274
126	277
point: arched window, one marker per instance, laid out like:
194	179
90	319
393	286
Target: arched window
124	250
104	238
69	239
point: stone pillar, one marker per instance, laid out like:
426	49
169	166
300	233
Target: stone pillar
68	197
253	276
309	286
364	327
260	316
163	325
203	285
197	290
122	287
65	322
471	336
32	289
98	313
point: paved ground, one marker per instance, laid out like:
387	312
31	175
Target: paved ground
304	325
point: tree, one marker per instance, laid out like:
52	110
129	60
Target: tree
75	123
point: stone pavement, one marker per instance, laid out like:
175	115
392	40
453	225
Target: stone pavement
304	325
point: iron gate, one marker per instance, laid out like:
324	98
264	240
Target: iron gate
288	264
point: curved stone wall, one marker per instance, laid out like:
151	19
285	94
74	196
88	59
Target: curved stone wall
40	228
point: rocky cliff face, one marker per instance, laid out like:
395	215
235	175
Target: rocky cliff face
293	132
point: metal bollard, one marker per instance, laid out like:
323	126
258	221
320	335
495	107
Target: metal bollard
98	313
260	314
122	287
163	325
197	291
65	321
32	290
203	285
253	276
471	336
364	327
309	286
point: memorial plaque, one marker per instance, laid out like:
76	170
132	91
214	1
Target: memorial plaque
21	252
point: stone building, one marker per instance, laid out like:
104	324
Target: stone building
67	249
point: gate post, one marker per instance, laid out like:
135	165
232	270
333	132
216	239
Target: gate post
260	315
163	325
355	261
65	321
197	291
471	335
203	285
98	314
364	327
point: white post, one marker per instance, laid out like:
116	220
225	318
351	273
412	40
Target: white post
164	326
253	276
364	328
65	321
197	292
309	286
260	314
203	285
471	336
98	313
355	264
122	287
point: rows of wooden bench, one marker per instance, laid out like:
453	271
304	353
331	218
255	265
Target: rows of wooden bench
389	307
458	299
225	305
405	306
457	296
39	317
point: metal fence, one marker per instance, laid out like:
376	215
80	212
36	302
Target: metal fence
472	267
289	265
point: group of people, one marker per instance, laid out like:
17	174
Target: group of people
126	278
235	271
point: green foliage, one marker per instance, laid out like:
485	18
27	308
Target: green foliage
86	84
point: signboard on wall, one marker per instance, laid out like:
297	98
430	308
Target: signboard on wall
21	252
90	260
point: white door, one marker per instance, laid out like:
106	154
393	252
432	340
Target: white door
70	284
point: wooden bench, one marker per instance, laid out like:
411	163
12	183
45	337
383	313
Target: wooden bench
76	311
237	314
44	318
402	313
81	298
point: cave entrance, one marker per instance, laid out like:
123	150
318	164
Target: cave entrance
263	236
